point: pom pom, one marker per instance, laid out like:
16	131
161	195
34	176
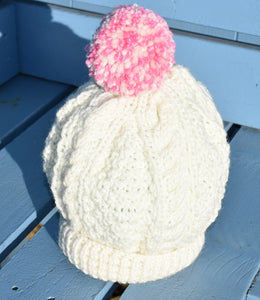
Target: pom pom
132	51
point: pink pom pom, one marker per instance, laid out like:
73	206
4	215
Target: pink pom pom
132	51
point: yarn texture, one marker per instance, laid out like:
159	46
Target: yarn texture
132	51
137	172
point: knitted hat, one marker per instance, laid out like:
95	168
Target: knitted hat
137	159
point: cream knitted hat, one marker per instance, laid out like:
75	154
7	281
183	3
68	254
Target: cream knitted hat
137	162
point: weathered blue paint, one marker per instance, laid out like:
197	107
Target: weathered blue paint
231	256
23	99
24	193
230	72
8	45
237	16
40	271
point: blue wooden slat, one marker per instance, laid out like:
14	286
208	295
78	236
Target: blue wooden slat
53	47
231	73
92	7
22	100
238	15
8	45
231	257
202	29
40	270
65	3
248	38
164	8
24	193
221	17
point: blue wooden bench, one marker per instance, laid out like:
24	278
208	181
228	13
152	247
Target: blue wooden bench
42	61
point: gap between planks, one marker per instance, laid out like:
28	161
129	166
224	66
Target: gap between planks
29	235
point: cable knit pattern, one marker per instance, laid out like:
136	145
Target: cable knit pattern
137	179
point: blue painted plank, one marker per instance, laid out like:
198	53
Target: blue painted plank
40	271
8	44
24	193
248	38
53	48
237	15
231	73
231	256
22	100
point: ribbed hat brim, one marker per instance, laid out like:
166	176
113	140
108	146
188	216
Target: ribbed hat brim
110	264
